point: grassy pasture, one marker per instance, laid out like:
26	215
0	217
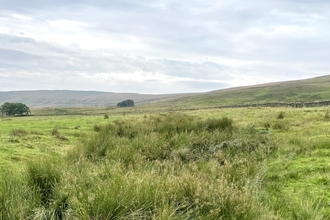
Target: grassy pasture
25	138
252	163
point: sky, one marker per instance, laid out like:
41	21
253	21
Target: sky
160	46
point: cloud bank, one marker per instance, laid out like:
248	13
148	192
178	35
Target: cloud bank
160	46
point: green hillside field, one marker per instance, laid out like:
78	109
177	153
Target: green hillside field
309	90
247	163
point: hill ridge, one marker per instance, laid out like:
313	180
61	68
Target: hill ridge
302	90
76	98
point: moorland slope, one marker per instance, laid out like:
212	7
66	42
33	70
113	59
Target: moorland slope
69	98
307	90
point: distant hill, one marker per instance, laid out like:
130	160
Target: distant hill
308	90
68	98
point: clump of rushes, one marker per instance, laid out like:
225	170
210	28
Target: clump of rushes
280	115
19	132
97	128
327	114
224	124
267	125
42	177
57	134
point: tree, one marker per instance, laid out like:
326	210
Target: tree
11	109
126	103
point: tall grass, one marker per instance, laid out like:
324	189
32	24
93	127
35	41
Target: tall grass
42	177
165	166
35	194
171	165
16	201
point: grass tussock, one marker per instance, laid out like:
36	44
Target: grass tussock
42	177
280	115
281	125
44	181
19	132
97	128
55	132
327	114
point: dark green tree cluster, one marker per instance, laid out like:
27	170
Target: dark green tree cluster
126	103
11	109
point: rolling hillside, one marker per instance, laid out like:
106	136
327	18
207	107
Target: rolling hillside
308	90
67	98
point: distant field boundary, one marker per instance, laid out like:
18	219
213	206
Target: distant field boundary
280	104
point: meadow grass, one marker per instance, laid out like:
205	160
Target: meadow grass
24	138
199	164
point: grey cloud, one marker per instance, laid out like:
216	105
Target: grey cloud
63	81
183	30
202	86
183	26
30	44
14	55
13	39
40	4
48	57
195	70
280	49
241	31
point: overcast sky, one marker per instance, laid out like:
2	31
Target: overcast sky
160	46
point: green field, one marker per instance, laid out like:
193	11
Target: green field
163	163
